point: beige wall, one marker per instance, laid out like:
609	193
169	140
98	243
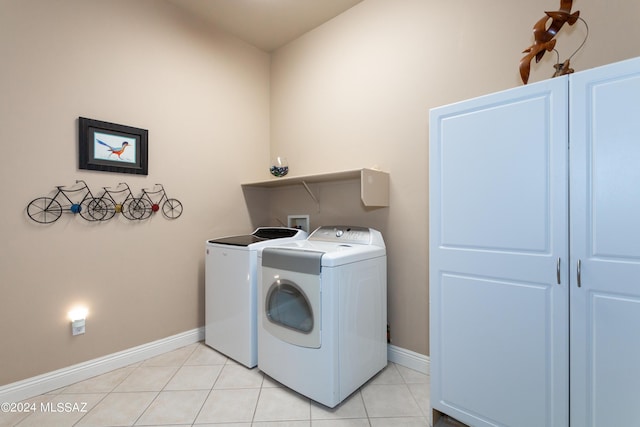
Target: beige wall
204	99
357	91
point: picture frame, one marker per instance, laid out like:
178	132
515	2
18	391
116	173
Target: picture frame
111	147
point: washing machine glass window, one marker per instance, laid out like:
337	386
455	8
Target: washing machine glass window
288	306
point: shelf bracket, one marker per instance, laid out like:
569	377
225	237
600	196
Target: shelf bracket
315	199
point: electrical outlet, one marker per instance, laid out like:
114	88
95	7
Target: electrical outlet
78	327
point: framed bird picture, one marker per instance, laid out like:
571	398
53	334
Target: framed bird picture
111	147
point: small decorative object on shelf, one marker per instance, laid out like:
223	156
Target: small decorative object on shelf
544	40
279	167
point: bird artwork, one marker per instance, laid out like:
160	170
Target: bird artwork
118	151
544	38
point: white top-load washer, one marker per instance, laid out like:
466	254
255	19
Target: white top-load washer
323	312
231	282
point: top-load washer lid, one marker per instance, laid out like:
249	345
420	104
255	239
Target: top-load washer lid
268	233
261	234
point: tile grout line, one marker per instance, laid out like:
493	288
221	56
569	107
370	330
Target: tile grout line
213	384
106	393
94	406
169	381
255	408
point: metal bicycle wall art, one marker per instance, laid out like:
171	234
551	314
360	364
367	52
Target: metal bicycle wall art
78	199
157	197
118	200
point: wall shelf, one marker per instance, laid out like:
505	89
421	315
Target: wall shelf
374	184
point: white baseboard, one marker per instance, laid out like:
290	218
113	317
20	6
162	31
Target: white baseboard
408	359
45	383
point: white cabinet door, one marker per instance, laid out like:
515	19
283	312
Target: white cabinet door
498	229
605	240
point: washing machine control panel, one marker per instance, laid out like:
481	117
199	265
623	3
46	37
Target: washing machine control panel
342	234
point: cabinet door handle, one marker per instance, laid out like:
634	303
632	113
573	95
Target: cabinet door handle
579	271
558	270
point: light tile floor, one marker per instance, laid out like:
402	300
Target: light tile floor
197	386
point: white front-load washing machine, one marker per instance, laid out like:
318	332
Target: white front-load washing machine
323	312
231	289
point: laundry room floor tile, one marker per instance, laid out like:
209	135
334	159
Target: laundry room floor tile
118	409
400	422
173	358
194	378
393	400
422	395
352	407
389	375
229	406
205	355
237	376
412	377
147	378
174	407
100	384
197	386
282	404
359	422
279	424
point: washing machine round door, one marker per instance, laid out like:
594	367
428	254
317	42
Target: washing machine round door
292	306
288	306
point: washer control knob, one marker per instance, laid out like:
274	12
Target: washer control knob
339	233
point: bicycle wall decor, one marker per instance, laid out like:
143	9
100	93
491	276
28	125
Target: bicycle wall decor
79	200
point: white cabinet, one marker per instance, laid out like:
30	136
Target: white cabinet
498	225
605	240
535	253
